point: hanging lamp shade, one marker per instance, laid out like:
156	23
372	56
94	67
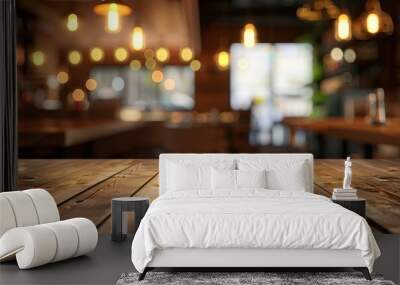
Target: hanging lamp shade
249	35
138	38
373	21
113	10
316	10
343	27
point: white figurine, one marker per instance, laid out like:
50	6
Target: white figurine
347	174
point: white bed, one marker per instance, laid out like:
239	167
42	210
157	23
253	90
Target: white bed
206	226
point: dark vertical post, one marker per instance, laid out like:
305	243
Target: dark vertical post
8	97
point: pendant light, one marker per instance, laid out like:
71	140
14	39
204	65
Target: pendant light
249	35
343	27
72	22
222	59
138	38
373	21
113	11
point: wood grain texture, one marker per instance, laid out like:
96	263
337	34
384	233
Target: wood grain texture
377	181
95	202
84	188
68	178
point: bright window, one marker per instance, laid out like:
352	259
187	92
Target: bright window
274	74
135	88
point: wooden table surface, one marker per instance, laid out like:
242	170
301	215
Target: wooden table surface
69	132
354	130
84	188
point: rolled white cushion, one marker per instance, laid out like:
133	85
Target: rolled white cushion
67	240
33	246
26	208
87	234
23	208
41	244
46	207
7	218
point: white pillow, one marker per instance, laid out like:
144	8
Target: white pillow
251	178
193	174
223	179
291	175
236	179
188	177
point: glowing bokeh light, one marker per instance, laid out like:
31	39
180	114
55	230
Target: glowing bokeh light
162	54
186	54
343	28
135	64
195	65
223	60
78	95
121	54
157	76
72	22
336	54
138	39
169	84
373	24
249	38
118	83
62	77
96	54
38	58
74	57
91	84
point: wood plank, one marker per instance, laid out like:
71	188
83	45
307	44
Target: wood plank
150	190
95	203
366	178
85	179
383	202
30	171
79	175
42	174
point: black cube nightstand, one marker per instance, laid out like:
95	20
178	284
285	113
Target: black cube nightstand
119	206
357	205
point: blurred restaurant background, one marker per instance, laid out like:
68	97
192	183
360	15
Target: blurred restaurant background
136	78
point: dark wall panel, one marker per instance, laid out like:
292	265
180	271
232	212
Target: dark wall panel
8	97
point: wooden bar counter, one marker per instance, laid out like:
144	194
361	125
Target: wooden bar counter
84	188
356	130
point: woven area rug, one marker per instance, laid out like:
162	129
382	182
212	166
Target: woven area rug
273	278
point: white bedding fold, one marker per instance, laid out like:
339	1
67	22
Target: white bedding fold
250	219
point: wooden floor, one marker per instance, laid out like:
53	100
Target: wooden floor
84	188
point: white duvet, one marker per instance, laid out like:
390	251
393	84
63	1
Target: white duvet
250	219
